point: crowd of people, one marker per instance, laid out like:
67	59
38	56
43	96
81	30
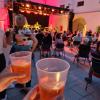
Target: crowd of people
21	39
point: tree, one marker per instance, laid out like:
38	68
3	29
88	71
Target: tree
98	29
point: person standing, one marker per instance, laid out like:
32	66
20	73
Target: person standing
2	58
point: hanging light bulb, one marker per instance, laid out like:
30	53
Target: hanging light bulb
11	9
21	11
44	14
40	12
39	7
28	12
36	13
61	11
53	10
27	5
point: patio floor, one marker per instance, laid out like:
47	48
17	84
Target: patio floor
75	86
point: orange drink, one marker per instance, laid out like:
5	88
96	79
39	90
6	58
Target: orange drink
22	67
52	75
50	92
21	63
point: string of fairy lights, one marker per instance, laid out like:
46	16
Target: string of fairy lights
36	8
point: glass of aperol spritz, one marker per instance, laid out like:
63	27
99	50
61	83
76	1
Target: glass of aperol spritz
52	76
21	63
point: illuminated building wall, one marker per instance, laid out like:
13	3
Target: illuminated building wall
4	19
58	22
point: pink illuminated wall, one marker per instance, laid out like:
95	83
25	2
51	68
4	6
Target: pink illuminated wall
48	2
52	2
58	22
4	19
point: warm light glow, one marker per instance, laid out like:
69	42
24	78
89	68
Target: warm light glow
53	10
44	14
61	11
10	9
26	25
39	7
40	12
58	22
22	11
37	25
4	19
23	5
28	12
27	5
58	76
35	13
47	14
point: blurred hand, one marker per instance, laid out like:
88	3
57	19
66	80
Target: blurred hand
7	77
33	94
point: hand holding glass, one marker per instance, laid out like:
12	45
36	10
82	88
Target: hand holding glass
21	63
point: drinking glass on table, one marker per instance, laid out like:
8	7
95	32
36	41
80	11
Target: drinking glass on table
21	63
52	76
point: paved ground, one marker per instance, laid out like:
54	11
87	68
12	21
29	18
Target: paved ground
75	86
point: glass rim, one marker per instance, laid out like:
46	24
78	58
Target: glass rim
66	68
12	54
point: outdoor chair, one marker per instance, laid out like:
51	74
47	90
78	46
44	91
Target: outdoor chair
83	52
45	52
59	48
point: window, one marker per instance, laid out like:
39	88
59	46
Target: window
80	3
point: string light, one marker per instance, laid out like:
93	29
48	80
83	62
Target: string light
44	14
53	10
61	11
40	12
10	9
28	12
22	11
40	7
22	5
27	5
35	12
36	8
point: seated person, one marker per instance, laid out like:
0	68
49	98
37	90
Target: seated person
77	39
59	42
83	46
95	63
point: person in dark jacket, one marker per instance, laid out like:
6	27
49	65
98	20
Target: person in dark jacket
46	41
46	44
95	63
39	37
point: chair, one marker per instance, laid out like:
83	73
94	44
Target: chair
45	52
83	52
60	49
95	72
